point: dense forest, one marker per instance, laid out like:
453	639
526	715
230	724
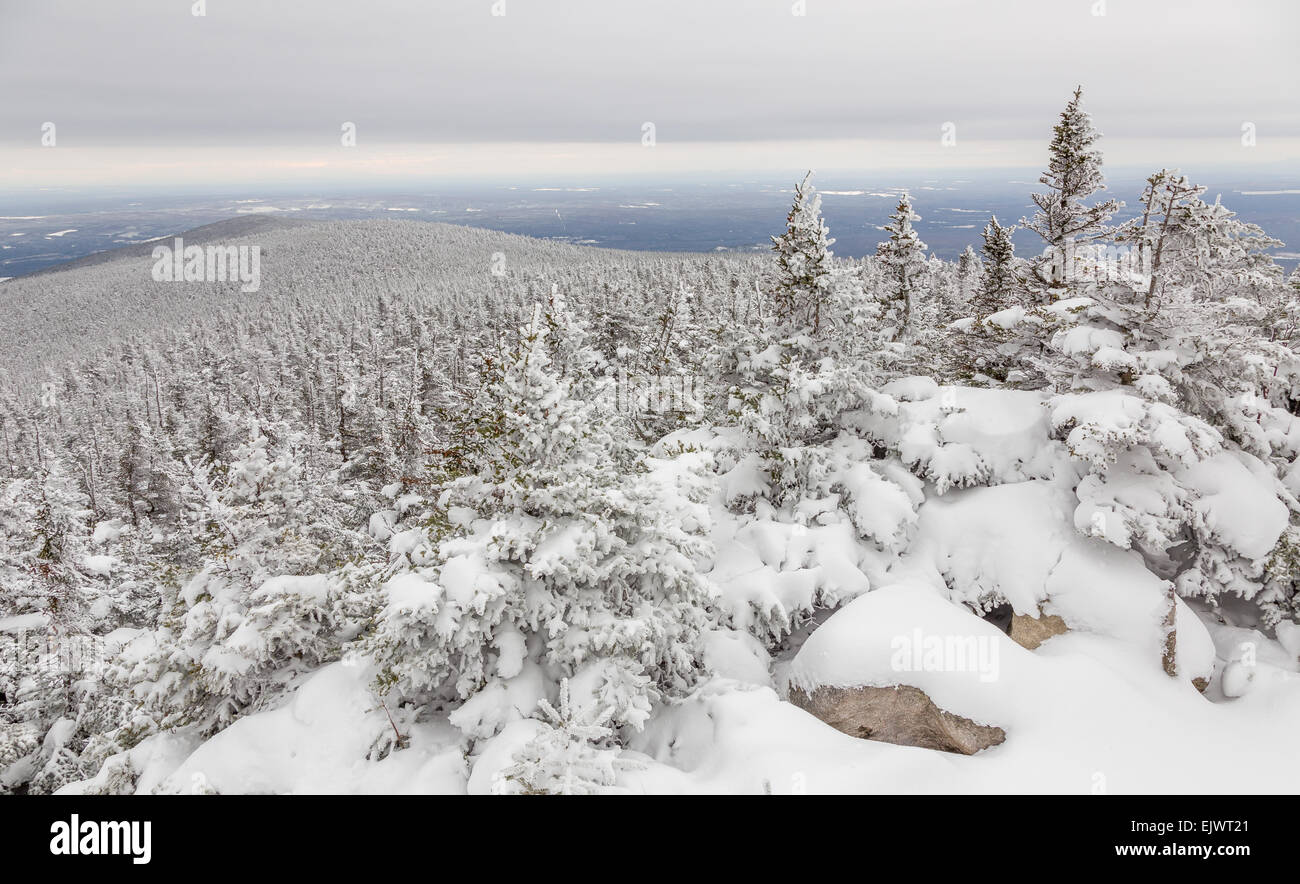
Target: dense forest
506	479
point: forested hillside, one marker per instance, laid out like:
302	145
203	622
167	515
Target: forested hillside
444	509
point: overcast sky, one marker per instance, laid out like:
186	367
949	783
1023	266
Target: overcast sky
143	90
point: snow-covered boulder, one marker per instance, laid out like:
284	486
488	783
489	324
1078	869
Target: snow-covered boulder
901	714
898	665
1288	636
1237	502
1030	632
323	740
956	437
1016	543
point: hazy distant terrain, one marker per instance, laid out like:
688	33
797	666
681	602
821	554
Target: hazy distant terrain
43	230
70	310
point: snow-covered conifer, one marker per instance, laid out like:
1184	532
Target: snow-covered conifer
558	557
574	754
1063	220
903	256
804	267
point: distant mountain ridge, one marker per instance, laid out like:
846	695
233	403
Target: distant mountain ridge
73	309
206	234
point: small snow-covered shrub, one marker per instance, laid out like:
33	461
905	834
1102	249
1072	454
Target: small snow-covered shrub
573	755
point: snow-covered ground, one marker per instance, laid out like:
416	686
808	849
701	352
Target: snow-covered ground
1089	711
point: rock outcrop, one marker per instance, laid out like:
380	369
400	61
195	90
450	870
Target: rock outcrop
900	714
1030	632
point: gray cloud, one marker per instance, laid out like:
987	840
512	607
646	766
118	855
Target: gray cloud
285	72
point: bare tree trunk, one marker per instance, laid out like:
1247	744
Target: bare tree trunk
4	428
88	476
157	398
1169	659
94	440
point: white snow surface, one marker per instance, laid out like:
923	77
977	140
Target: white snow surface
316	743
1084	714
1238	502
981	503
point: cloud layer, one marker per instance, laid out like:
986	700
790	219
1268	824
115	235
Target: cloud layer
149	75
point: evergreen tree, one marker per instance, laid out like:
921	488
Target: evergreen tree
1000	285
903	256
1063	220
261	607
575	753
804	266
48	668
556	556
970	271
809	359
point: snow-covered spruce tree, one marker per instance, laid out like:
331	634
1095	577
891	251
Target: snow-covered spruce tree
1001	285
1189	368
1060	281
1166	209
49	664
661	388
801	295
791	455
144	483
948	296
1189	309
732	335
1063	220
1001	339
903	256
552	555
970	270
575	754
260	611
59	535
807	362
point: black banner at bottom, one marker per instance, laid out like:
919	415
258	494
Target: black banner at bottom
327	833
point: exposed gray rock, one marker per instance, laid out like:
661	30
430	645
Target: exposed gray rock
1030	632
900	714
